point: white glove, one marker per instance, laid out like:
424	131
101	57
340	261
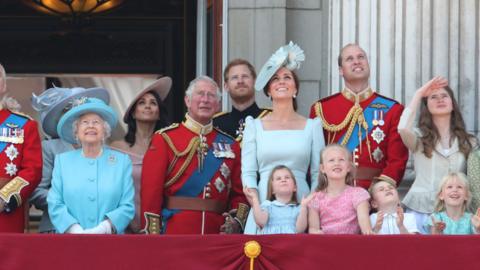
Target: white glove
103	228
75	228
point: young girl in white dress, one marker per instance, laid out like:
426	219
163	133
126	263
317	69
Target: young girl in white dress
280	213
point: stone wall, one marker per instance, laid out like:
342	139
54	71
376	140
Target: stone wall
258	28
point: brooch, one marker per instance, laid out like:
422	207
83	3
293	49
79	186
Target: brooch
112	159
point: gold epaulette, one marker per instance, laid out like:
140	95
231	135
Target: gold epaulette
219	114
264	113
318	107
172	126
22	114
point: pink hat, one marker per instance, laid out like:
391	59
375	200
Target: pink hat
161	87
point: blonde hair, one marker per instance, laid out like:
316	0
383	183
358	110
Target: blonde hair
461	177
322	177
270	195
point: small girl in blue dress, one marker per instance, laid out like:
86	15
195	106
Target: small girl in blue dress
281	212
450	216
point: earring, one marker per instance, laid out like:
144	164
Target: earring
294	95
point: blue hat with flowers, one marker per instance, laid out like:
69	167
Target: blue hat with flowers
80	107
55	101
289	56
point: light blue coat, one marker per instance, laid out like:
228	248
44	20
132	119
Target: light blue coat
86	190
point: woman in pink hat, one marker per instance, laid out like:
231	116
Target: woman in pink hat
145	115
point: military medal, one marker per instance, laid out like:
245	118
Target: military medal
12	153
11	134
219	185
378	135
202	151
377	154
225	171
381	122
241	127
223	151
216	150
375	118
229	152
378	106
11	169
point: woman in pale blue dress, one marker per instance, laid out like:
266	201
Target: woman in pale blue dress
283	136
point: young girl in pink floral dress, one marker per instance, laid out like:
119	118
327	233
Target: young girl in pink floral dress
338	207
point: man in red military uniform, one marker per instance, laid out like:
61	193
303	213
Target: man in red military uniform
364	121
20	162
191	172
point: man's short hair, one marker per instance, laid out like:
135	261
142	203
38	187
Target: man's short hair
339	59
202	78
237	62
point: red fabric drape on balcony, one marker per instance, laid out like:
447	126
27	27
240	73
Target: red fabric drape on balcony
34	251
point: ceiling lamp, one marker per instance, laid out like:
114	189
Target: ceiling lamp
72	7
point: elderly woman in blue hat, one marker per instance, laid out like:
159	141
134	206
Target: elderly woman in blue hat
92	188
283	137
145	115
52	104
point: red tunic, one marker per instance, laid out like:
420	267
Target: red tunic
19	184
390	158
225	185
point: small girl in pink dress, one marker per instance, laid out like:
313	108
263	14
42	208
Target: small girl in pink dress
338	207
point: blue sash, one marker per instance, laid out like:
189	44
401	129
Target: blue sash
353	142
197	181
17	120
